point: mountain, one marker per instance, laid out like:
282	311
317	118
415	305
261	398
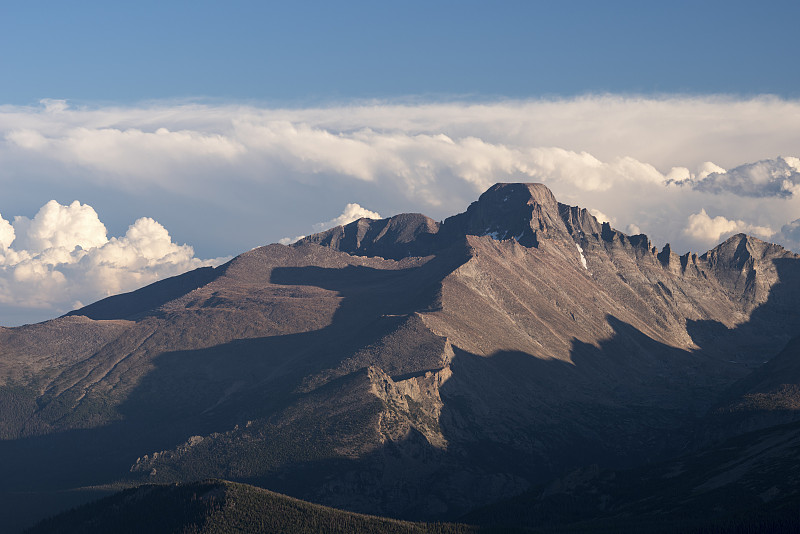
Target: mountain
743	485
219	506
403	366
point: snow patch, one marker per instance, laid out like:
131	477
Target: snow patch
501	236
583	258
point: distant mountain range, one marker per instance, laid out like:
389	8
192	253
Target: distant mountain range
519	352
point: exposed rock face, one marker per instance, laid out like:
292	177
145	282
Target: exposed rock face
394	366
408	234
744	266
525	212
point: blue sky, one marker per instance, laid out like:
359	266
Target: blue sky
142	139
297	53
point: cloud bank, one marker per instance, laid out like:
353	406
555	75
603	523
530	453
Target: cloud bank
778	177
227	178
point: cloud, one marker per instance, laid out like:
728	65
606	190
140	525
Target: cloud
707	168
418	144
7	234
789	235
633	229
227	178
290	240
705	229
57	226
149	155
352	212
52	105
779	177
600	216
62	257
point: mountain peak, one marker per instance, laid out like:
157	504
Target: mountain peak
526	212
513	194
741	248
407	234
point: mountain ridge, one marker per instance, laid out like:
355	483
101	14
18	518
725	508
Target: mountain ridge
496	350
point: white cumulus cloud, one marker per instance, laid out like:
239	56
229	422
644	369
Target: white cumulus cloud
633	229
710	230
57	226
7	234
63	257
352	212
707	168
600	216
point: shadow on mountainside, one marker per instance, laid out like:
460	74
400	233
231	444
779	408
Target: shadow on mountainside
768	329
510	420
199	392
628	401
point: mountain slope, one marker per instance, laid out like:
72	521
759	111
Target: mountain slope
744	484
216	506
401	366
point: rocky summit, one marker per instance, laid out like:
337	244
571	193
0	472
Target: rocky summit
407	367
